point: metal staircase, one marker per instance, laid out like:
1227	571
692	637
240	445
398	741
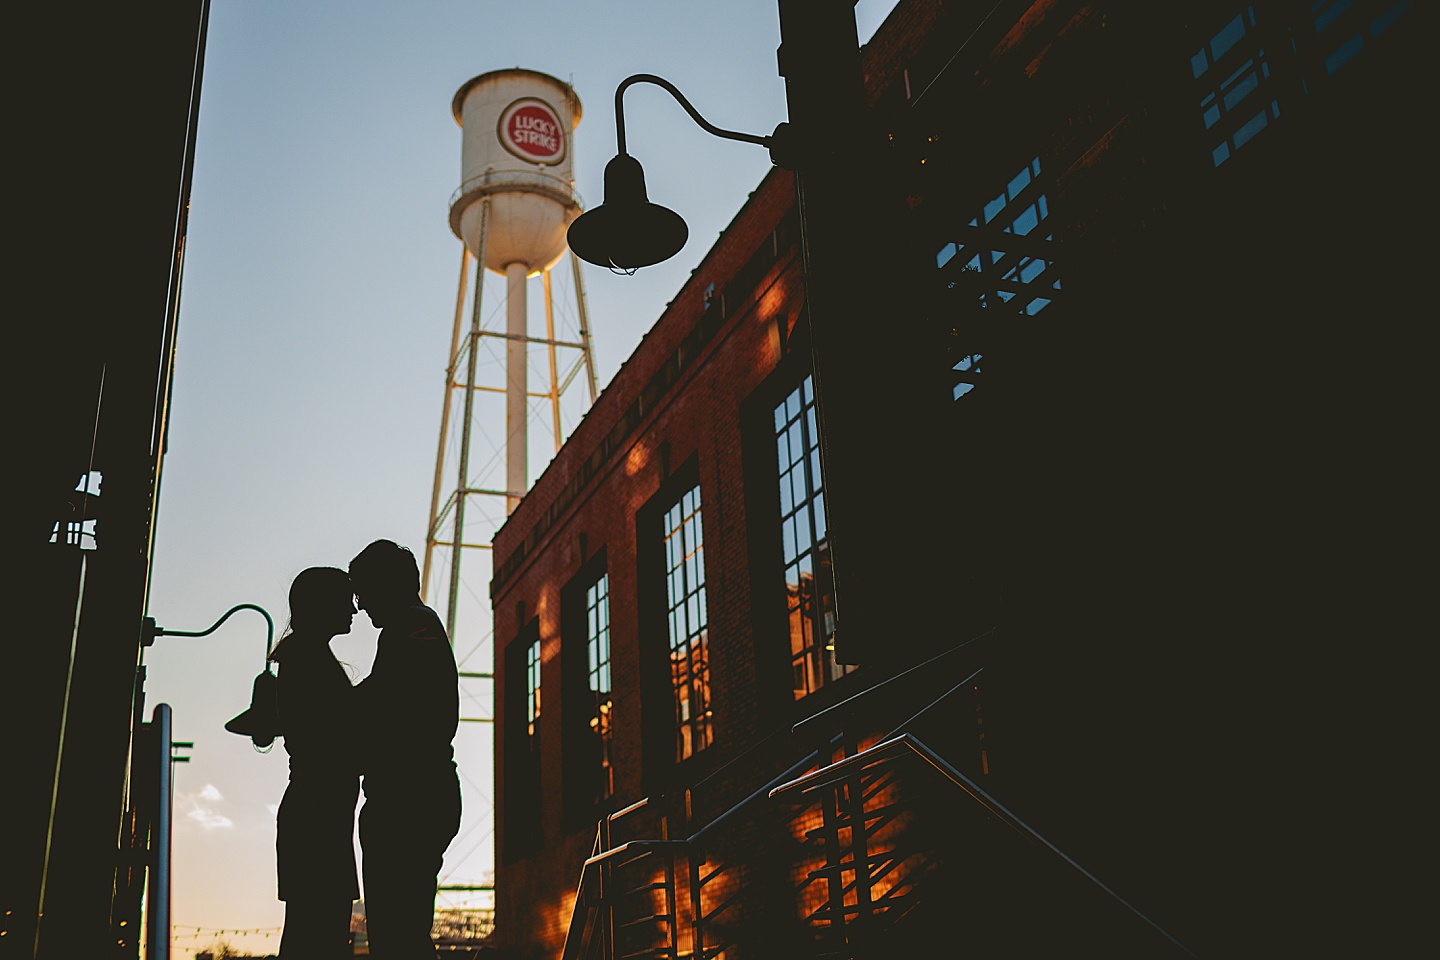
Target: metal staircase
864	848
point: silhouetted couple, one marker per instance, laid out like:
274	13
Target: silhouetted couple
395	728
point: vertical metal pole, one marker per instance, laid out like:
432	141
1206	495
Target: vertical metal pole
517	401
60	748
157	896
607	904
550	350
464	471
584	325
671	903
432	527
860	845
696	860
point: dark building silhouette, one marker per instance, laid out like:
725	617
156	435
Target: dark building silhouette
1121	413
100	147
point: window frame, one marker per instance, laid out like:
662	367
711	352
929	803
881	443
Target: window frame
583	804
812	661
522	835
658	709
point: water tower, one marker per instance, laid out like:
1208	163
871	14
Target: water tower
515	202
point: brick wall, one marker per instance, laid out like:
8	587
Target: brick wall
538	551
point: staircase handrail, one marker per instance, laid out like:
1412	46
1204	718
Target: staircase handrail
906	742
603	838
602	852
626	847
577	908
889	680
764	791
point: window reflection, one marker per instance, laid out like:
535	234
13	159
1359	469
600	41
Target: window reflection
597	633
1345	28
687	621
1001	262
1233	68
532	688
809	594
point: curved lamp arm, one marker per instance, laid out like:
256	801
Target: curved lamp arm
707	126
269	627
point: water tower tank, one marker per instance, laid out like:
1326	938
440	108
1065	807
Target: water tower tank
516	148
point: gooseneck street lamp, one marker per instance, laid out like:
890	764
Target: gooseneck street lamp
151	631
627	231
158	879
258	721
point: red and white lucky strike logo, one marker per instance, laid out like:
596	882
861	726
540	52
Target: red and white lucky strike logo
531	130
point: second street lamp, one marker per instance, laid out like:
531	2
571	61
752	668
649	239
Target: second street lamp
260	721
627	231
826	140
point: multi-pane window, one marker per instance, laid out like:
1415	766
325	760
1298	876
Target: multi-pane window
597	644
521	797
1239	97
1003	258
1345	27
1234	71
80	533
809	594
532	688
687	621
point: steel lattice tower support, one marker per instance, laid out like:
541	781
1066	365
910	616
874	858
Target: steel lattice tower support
454	487
447	515
515	202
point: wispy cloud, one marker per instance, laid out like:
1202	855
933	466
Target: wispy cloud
202	813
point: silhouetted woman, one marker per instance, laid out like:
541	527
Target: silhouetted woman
315	853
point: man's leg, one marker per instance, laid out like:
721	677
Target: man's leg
399	898
316	929
402	852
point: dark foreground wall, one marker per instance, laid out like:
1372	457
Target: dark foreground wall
103	107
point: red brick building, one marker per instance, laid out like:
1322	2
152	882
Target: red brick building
670	423
1112	554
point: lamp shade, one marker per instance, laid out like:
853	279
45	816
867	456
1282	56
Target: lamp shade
627	231
261	720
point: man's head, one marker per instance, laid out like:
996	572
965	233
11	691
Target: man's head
386	580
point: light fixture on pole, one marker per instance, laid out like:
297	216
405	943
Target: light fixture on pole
627	231
261	720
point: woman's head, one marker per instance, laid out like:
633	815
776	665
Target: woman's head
322	601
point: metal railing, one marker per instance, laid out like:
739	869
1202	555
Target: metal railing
496	181
863	882
905	744
593	912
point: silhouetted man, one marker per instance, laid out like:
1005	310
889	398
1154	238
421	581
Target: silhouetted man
410	708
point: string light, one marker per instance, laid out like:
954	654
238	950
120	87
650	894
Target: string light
177	931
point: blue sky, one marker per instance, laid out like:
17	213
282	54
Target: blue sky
318	298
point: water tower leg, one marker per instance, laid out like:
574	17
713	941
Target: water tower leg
462	482
584	325
554	391
516	377
432	526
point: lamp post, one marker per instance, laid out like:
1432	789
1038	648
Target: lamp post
259	722
825	143
149	631
160	782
